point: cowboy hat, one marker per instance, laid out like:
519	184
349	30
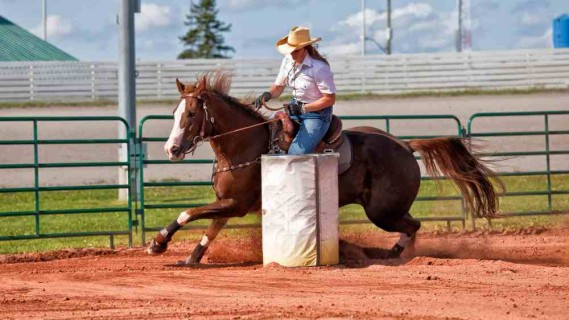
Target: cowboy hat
297	38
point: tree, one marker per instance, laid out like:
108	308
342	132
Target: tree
204	38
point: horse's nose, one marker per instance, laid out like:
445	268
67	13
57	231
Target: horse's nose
175	149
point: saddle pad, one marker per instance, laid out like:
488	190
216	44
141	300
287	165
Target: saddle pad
345	159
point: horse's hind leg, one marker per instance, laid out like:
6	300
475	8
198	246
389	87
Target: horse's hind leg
407	227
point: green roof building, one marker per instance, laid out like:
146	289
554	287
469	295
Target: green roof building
18	44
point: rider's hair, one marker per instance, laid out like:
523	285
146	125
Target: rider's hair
315	54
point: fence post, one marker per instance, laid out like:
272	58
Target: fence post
467	134
464	134
159	79
386	71
548	162
529	70
405	78
467	57
37	199
31	74
363	73
93	95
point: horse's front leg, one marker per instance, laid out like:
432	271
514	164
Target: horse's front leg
221	209
210	234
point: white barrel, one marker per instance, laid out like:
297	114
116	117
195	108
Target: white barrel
300	209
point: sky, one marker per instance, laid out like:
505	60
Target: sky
87	29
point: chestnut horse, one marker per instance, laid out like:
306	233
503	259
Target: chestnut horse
384	176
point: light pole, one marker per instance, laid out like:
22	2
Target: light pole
377	44
363	27
389	30
44	17
459	31
127	89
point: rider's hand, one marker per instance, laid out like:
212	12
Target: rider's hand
295	108
265	97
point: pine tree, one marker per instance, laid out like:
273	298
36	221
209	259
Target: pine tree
204	38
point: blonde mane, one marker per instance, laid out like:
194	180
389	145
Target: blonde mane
219	83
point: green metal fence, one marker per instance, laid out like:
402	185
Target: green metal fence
39	211
549	190
452	125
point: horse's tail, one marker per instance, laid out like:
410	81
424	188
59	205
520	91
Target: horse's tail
450	157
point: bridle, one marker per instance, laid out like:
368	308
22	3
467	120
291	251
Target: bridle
203	136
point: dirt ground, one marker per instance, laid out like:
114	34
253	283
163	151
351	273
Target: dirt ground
469	275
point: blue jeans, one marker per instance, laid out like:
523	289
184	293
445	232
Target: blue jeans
313	127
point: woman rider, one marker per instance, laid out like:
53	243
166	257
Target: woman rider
308	74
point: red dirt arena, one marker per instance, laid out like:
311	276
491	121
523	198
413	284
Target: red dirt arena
468	275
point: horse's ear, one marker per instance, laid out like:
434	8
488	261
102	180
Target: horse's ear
200	86
181	86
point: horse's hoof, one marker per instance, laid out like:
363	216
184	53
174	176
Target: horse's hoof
155	248
186	262
191	261
197	254
396	251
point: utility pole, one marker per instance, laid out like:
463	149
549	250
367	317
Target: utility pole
389	30
463	34
459	31
44	19
127	89
466	28
363	27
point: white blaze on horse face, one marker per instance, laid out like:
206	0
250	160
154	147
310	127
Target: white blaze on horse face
177	134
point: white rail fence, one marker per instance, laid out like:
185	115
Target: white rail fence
379	74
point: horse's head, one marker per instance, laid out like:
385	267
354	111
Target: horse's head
191	122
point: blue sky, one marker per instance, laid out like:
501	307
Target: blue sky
87	29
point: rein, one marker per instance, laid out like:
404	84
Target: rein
241	129
205	120
201	138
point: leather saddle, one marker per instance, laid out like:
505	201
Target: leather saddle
335	140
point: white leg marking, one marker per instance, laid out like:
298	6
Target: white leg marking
205	241
403	240
183	218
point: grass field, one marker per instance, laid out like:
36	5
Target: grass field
157	218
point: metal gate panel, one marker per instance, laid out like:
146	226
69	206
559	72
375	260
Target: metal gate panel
39	211
543	137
